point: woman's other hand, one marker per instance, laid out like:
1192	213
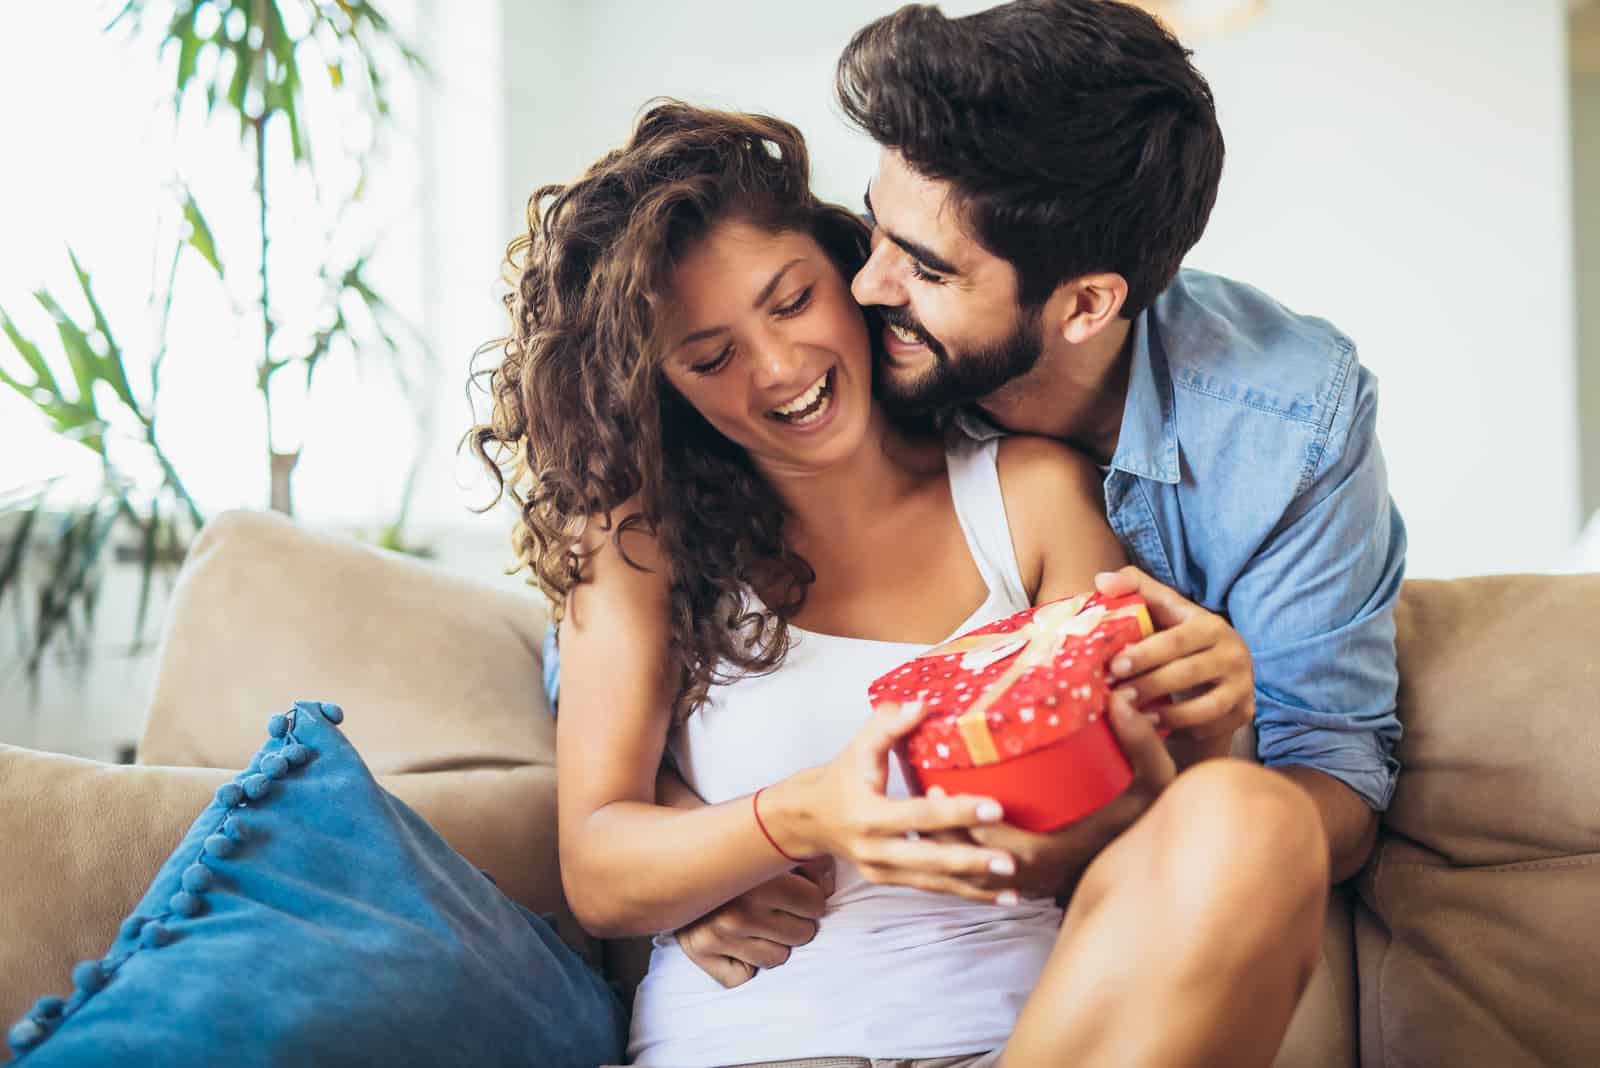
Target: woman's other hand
841	809
1050	863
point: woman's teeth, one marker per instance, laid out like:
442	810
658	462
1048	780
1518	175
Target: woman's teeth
807	407
909	337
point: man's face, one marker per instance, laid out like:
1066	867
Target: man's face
953	331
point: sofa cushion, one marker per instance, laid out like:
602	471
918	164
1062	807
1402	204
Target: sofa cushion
309	916
1322	1032
1500	702
1475	938
1478	965
447	671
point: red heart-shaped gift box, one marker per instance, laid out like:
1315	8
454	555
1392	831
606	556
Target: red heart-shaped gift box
1016	710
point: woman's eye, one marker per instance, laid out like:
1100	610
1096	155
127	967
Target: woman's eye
926	275
797	305
713	365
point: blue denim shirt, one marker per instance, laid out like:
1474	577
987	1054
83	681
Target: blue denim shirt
1248	477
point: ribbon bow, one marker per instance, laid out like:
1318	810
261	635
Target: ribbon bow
1035	644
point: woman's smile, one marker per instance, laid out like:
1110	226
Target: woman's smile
812	408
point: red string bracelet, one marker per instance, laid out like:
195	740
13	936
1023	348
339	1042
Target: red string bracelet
755	806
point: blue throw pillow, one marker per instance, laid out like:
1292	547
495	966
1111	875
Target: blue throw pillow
310	917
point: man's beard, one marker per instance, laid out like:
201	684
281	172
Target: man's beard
951	384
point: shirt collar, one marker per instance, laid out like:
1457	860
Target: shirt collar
1147	443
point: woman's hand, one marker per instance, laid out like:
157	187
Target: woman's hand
1049	864
841	809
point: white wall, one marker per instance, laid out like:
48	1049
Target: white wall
1586	209
1401	169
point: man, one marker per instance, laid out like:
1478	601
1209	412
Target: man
1045	165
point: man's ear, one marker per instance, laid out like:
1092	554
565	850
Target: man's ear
1087	304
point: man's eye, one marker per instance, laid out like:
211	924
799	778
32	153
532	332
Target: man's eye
926	275
713	365
797	305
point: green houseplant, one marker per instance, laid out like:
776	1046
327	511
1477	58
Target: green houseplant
281	70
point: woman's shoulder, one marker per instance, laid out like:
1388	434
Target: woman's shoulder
620	560
1052	498
1033	467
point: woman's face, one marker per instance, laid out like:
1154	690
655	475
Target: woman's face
769	347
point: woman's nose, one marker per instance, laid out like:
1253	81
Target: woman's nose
779	365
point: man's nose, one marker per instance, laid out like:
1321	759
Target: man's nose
874	283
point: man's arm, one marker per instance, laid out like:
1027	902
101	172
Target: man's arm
1351	826
1316	606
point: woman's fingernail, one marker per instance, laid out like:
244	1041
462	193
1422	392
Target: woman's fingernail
1007	897
1128	694
990	811
1003	866
936	791
1121	666
911	710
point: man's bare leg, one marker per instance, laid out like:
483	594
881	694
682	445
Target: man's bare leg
1191	938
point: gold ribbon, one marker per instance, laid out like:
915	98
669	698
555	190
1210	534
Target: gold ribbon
1035	644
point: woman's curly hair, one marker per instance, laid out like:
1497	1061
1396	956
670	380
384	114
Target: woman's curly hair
583	419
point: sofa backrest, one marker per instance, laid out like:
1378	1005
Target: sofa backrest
445	672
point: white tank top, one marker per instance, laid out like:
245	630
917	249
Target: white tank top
892	972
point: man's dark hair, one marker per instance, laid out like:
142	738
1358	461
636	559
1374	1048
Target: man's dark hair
1076	134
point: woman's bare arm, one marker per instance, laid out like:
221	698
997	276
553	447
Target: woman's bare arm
626	862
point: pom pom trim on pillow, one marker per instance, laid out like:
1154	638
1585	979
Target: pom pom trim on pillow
142	934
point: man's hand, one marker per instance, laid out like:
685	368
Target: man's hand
758	928
1195	658
1049	865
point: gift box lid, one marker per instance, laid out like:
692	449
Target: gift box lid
1012	686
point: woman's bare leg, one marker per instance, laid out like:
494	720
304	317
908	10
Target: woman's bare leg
1191	938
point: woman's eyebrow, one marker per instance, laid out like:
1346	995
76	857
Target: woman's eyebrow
761	298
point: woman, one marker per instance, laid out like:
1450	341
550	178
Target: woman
737	541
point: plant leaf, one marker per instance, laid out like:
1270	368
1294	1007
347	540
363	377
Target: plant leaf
85	365
243	67
30	355
189	44
111	367
16	549
200	237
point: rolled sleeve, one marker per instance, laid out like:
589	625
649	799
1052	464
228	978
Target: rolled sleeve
1316	607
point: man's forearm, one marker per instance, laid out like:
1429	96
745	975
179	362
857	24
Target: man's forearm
1351	826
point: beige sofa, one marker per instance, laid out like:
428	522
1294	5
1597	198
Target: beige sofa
1472	938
